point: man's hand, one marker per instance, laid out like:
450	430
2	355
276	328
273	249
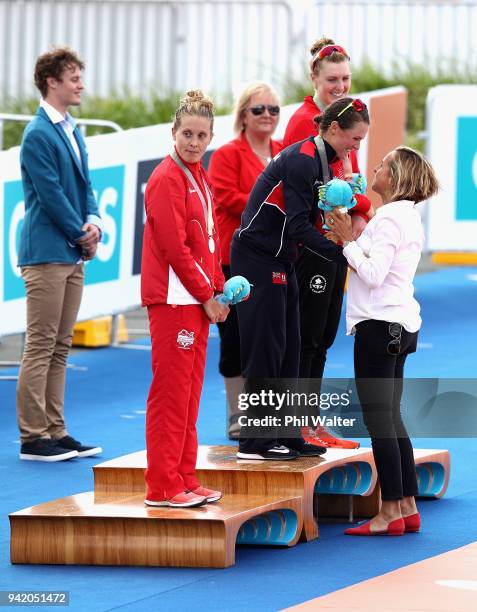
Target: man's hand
216	312
91	238
88	254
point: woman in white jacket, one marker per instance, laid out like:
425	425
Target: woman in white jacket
383	315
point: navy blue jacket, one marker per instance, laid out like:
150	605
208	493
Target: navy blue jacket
282	207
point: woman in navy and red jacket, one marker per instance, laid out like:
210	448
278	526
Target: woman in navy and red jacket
233	170
181	273
280	215
322	284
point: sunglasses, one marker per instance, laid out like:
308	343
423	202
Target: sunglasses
329	49
261	108
394	345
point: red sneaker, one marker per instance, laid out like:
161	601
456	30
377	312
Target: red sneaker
321	437
186	499
209	494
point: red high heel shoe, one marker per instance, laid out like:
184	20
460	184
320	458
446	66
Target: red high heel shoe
394	528
412	523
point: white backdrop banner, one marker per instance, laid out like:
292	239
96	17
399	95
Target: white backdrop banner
121	164
451	217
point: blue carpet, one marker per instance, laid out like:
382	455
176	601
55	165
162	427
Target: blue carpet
106	393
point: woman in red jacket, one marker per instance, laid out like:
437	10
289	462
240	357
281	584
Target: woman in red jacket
322	284
233	170
180	275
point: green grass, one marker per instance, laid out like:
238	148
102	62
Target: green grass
127	110
130	111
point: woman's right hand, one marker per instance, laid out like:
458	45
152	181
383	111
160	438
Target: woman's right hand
216	312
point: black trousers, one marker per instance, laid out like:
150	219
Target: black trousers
229	359
321	285
269	333
379	381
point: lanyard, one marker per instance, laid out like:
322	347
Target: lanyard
318	102
207	207
320	145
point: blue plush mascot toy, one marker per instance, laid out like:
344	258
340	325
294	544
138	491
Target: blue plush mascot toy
236	289
340	194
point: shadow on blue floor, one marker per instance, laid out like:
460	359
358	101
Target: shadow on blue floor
106	405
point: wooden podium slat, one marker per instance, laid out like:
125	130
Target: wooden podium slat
95	530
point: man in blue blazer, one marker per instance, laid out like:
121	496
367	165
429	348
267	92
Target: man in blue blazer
61	230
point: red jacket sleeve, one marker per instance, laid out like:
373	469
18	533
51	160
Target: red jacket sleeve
166	215
224	173
299	128
363	204
219	279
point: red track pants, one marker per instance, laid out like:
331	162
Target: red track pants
179	337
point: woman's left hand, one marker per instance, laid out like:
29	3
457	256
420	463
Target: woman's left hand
340	226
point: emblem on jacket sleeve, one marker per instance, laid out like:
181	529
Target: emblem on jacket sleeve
318	283
185	339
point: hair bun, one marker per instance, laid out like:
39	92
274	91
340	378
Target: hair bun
197	97
319	44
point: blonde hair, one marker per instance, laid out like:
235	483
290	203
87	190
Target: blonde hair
194	104
412	176
244	98
336	57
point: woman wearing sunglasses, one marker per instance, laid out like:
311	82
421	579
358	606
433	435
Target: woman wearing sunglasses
331	77
280	214
384	316
233	170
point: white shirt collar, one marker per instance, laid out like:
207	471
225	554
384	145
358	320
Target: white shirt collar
55	116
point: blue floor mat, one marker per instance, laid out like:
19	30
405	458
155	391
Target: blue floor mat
106	396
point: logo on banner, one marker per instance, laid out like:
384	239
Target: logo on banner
466	170
108	187
13	215
185	339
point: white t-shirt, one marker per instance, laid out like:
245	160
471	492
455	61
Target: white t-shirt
385	258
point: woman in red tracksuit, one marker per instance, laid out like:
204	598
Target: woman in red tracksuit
233	170
321	284
180	275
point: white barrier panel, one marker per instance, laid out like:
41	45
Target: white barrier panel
451	217
120	166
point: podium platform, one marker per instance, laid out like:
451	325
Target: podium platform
265	503
89	529
349	472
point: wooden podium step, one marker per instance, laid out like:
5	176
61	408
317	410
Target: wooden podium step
264	503
339	471
97	529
